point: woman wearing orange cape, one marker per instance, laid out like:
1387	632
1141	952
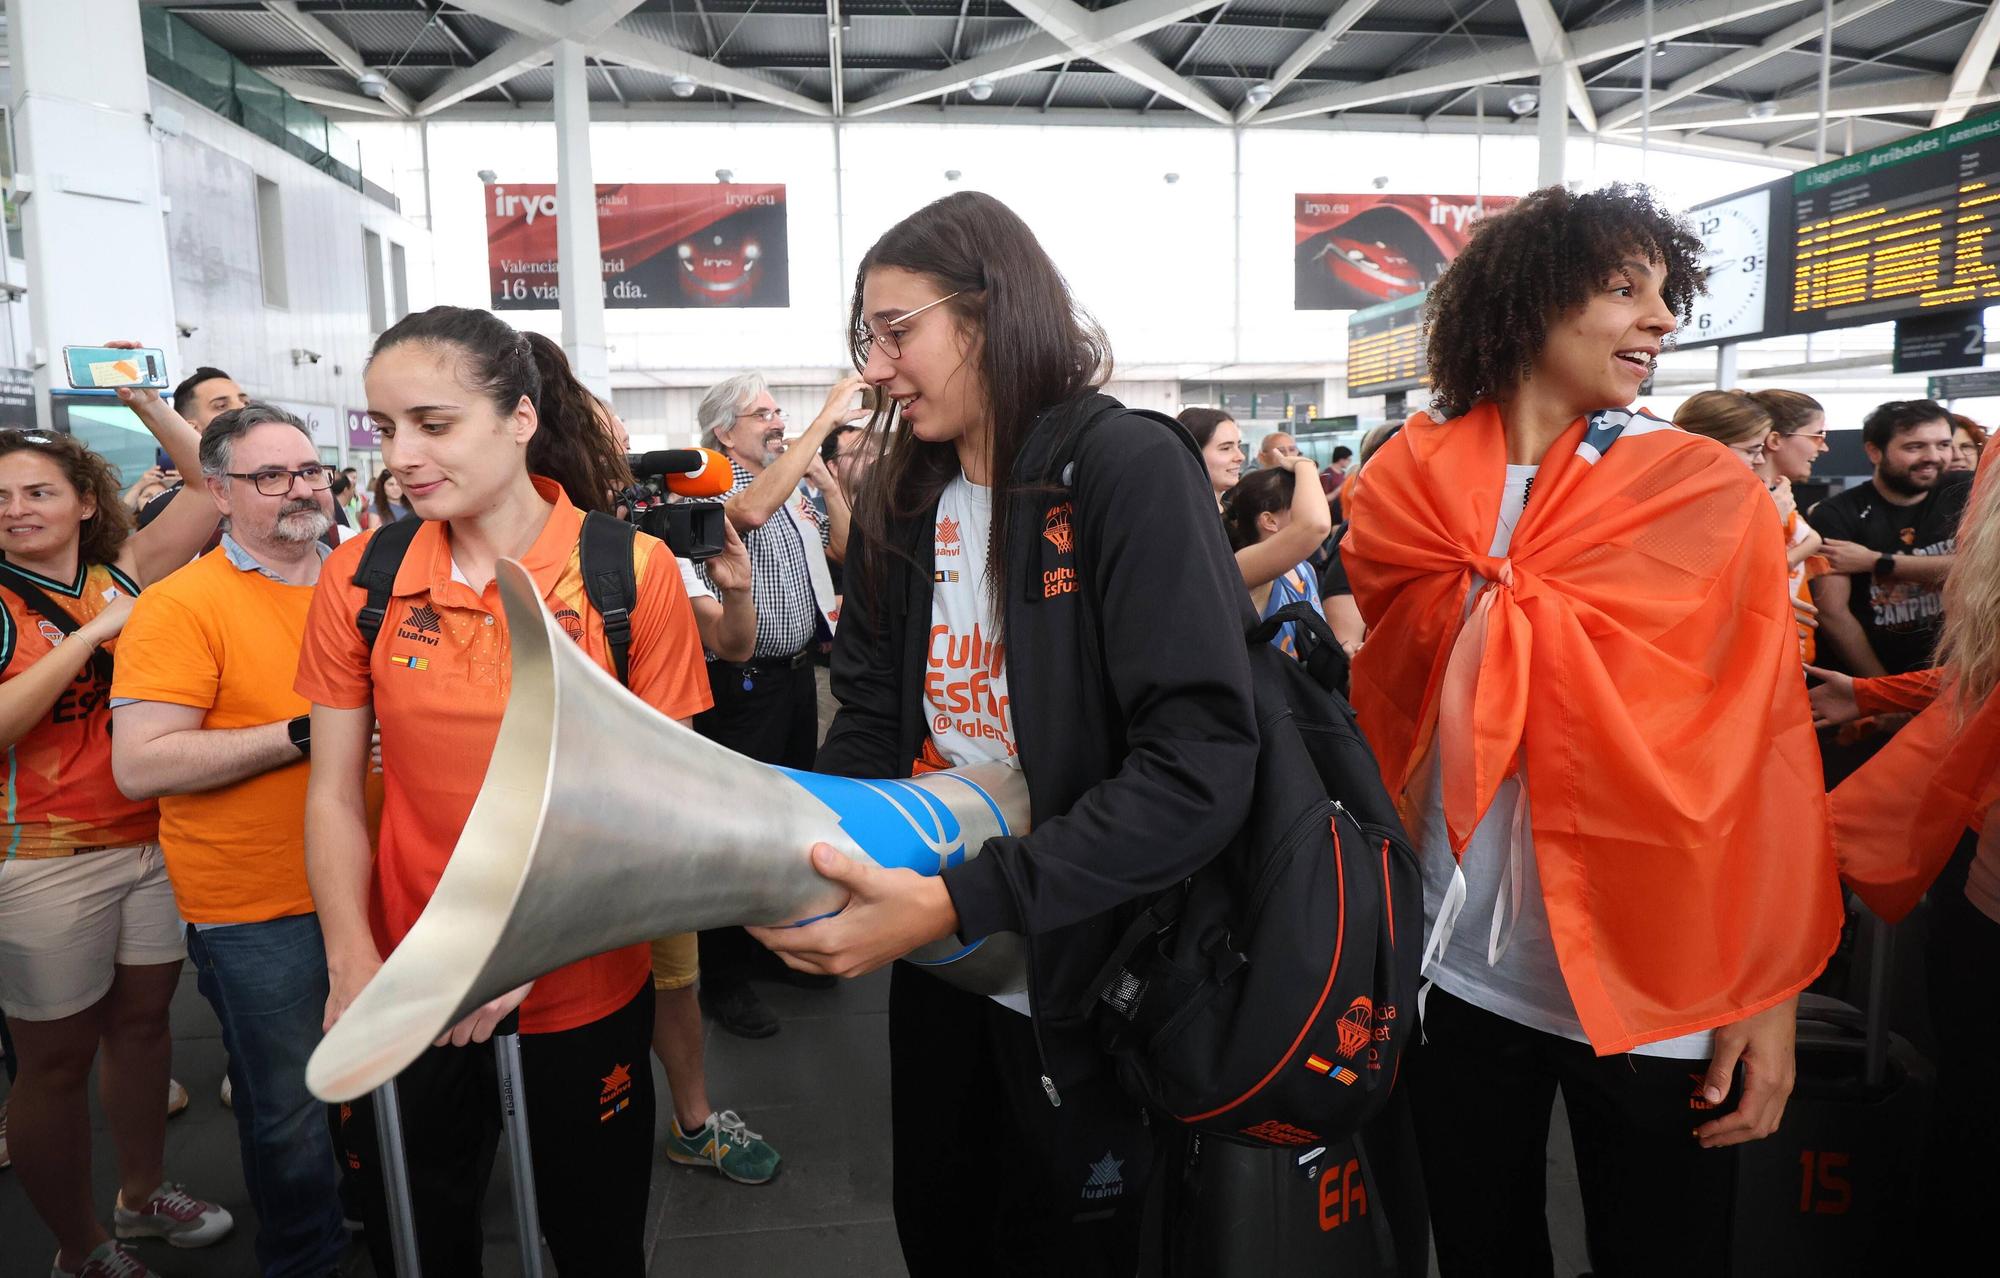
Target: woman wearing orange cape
1896	823
1582	681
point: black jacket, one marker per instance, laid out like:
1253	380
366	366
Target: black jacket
1138	752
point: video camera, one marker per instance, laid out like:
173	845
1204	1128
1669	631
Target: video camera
693	530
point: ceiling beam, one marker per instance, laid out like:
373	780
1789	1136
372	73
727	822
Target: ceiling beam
1108	36
321	37
321	96
1342	21
1517	60
1551	43
1972	67
1781	41
1907	95
1032	54
593	24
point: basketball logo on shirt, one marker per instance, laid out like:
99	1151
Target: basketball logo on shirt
1056	529
50	631
571	623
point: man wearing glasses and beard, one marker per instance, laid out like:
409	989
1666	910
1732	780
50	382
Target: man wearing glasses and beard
768	706
205	720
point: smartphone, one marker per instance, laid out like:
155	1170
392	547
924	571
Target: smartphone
161	459
108	367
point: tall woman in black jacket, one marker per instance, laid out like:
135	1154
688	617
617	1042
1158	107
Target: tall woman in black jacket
965	639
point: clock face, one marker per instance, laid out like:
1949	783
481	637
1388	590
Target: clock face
1735	240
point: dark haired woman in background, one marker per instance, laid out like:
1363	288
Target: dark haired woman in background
1221	441
963	642
1582	682
501	461
1275	520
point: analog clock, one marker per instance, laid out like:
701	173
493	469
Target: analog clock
1736	243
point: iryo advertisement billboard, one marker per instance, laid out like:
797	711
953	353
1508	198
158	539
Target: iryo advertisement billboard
1356	251
663	245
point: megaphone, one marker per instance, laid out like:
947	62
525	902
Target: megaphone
602	823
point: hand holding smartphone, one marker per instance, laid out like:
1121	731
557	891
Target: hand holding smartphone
112	367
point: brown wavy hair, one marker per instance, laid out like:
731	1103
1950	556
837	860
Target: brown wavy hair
1790	410
101	536
1035	348
1488	316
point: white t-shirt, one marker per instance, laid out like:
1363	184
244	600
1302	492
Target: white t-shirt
1525	983
965	666
965	669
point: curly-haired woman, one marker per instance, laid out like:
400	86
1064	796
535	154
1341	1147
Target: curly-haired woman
1582	681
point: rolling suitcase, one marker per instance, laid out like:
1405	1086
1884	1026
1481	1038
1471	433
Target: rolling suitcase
1833	1191
1352	1208
514	1123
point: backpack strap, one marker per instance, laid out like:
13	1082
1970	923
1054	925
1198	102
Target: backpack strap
31	594
605	557
1319	649
381	559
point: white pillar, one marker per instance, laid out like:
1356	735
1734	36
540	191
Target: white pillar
579	270
1725	366
1552	125
92	215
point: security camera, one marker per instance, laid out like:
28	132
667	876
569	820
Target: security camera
488	176
186	329
979	90
725	176
683	85
300	355
12	292
373	83
1382	183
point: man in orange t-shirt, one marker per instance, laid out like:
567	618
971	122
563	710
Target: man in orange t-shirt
206	721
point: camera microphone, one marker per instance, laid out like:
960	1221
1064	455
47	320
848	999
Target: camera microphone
688	472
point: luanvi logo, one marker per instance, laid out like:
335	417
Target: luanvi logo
423	625
1106	1178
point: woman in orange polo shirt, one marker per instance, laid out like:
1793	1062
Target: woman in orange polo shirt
498	468
90	942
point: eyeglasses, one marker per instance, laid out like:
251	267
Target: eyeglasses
1752	453
764	415
276	483
866	337
1817	436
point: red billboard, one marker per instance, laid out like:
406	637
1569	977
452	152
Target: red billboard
1355	251
663	245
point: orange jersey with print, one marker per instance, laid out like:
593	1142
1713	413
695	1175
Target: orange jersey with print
437	678
59	796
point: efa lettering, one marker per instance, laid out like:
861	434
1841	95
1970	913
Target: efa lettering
1343	1195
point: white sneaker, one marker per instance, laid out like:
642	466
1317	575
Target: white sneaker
175	1215
228	1094
177	1097
6	1159
108	1261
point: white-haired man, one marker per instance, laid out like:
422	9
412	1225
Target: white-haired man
768	707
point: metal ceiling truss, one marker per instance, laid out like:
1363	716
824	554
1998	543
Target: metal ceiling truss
1439	62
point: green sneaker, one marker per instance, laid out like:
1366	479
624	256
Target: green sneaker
725	1143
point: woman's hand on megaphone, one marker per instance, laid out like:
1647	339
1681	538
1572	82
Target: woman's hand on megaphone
888	914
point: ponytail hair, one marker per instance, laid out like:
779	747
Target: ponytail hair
570	445
1262	492
1730	416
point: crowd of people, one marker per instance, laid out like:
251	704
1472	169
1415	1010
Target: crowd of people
1610	666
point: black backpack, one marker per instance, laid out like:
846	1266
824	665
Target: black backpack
1267	998
605	557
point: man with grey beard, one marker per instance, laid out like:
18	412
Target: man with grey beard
205	719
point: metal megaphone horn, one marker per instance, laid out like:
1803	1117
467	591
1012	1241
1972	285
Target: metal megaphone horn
602	823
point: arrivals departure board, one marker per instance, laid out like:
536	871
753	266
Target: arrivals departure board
1385	348
1900	230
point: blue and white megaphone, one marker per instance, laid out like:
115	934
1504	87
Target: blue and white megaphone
602	823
